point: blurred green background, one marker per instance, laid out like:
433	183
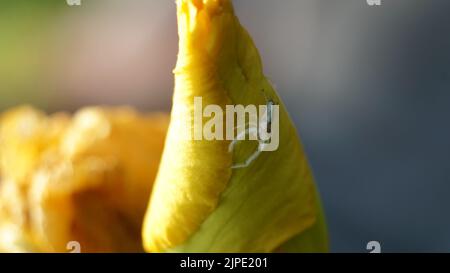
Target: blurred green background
60	57
25	47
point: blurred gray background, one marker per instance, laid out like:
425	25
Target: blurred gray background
368	87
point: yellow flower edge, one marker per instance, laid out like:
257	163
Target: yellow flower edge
199	203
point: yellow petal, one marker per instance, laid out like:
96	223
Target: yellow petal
199	203
24	135
89	182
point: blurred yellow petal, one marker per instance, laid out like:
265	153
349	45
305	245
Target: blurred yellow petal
25	134
84	179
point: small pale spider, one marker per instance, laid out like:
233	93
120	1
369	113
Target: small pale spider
254	131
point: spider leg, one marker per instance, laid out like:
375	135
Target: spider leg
241	136
251	158
253	129
247	162
234	142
